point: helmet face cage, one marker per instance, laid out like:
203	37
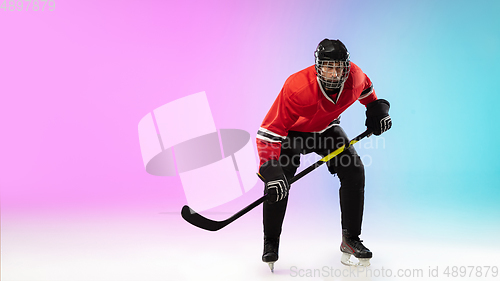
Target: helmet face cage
332	73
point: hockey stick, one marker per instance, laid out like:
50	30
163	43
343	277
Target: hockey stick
202	222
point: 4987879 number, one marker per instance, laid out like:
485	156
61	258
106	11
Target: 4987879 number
28	5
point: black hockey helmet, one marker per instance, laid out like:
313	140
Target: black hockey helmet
332	63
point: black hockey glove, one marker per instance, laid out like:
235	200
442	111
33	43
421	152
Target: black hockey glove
276	185
377	116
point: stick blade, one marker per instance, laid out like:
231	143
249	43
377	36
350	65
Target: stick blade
200	221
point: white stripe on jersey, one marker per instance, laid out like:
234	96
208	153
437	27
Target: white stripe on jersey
271	133
367	94
266	139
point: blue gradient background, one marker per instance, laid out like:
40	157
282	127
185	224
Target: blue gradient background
75	83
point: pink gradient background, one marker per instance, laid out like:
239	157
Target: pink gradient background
76	82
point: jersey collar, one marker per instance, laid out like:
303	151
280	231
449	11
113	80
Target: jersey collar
326	96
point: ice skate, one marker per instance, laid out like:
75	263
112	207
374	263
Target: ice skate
351	245
270	255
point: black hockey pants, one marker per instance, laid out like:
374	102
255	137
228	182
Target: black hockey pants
347	166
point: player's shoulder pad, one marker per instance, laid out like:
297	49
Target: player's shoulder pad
358	77
355	70
299	87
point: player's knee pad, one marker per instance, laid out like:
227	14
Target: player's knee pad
350	170
354	168
289	164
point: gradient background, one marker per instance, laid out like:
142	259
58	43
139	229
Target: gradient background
77	203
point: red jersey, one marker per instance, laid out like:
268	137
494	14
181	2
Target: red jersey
303	105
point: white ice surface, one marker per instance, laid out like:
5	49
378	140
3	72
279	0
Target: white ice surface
163	247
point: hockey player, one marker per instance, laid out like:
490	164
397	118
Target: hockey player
305	118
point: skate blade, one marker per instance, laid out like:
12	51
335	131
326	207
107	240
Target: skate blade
346	260
271	266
